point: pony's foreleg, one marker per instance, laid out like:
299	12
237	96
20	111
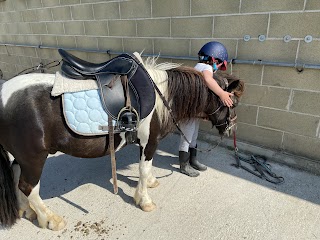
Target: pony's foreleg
24	206
46	217
141	196
152	182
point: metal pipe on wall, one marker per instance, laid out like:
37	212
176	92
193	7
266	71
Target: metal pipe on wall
298	66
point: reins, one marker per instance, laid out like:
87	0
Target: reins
260	168
41	67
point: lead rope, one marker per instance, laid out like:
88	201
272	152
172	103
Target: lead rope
260	167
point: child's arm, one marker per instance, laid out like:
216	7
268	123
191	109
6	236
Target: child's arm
214	86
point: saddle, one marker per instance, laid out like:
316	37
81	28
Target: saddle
120	80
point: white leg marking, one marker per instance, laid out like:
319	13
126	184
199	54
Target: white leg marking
141	196
46	217
152	181
23	202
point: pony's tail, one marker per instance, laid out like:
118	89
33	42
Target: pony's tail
9	211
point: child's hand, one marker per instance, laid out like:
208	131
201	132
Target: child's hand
225	98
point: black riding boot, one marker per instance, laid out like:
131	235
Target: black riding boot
185	165
194	162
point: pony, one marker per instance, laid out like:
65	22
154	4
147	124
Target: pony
32	125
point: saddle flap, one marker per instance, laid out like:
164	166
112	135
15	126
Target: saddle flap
111	93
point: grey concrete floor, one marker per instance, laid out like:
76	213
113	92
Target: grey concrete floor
222	203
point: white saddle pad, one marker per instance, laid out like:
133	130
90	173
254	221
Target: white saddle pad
84	113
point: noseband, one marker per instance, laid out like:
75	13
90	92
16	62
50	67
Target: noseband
229	122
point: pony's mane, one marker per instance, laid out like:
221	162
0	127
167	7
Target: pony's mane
183	87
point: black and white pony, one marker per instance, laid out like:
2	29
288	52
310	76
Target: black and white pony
32	125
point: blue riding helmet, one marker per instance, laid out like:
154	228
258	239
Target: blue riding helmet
215	50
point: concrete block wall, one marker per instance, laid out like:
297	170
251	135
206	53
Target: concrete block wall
280	109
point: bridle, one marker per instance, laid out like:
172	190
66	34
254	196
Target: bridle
229	122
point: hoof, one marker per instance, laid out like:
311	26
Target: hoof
57	223
156	183
148	207
31	215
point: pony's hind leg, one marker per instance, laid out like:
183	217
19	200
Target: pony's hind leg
46	217
29	184
24	206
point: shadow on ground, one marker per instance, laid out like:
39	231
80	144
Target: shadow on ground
64	173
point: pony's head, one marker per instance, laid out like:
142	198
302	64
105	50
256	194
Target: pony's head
225	118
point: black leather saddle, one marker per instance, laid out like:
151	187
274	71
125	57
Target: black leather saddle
108	76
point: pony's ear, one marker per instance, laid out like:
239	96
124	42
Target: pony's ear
233	85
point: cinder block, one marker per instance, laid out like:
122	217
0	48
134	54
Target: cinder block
153	28
98	57
19	39
17	51
122	28
47	40
269	50
106	10
24	28
309	53
11	28
25	61
55	28
291	78
172	47
48	54
8	6
138	45
248	73
61	13
239	25
248	6
66	41
33	39
302	145
297	25
91	1
169	8
260	136
246	114
30	52
39	28
15	17
288	121
30	16
33	3
135	9
20	5
306	102
211	7
69	2
266	96
200	27
96	28
113	44
44	14
86	42
50	3
74	28
313	5
82	12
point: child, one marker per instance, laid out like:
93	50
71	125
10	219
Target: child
212	57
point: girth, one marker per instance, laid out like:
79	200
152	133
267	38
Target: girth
111	89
